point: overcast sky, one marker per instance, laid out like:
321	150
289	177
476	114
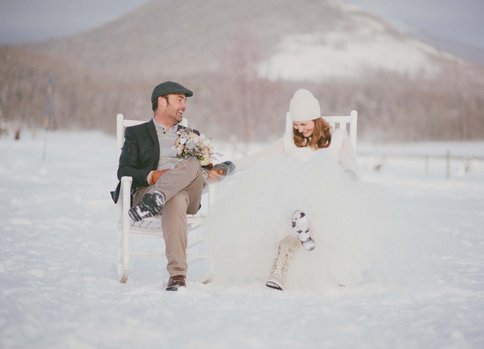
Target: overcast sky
458	20
35	20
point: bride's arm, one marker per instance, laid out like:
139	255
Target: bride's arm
276	148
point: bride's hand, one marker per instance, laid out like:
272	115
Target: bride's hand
214	176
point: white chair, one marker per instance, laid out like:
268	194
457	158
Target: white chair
150	227
348	122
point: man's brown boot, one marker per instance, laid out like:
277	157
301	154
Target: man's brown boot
176	282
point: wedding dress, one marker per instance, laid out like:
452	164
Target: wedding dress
253	210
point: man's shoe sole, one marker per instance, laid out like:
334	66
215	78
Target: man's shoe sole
274	285
156	198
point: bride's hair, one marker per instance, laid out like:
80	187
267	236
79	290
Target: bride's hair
321	137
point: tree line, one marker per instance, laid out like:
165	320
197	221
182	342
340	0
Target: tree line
38	91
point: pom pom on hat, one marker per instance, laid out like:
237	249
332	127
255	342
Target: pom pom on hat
304	106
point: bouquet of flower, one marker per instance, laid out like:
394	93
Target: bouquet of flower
189	144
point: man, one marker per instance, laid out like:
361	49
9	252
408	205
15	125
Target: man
162	183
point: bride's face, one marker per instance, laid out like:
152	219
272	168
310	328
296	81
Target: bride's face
304	127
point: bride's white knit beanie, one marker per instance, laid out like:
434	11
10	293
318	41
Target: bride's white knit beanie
304	106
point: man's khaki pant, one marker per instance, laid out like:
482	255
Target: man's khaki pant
182	187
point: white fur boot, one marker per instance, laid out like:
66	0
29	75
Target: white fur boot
285	250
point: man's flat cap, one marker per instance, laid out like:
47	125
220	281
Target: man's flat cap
167	87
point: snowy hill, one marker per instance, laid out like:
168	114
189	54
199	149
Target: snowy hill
293	40
351	51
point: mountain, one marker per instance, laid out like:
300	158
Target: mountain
460	49
334	39
244	59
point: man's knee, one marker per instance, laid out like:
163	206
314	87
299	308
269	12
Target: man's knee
193	166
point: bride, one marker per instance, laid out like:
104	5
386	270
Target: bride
294	215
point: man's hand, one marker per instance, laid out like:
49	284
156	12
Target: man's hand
155	175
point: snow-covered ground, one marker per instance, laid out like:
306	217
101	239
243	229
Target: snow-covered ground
59	288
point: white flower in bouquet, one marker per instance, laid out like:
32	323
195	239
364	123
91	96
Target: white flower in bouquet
189	144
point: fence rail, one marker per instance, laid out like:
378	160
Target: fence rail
446	163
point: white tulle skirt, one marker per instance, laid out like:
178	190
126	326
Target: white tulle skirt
252	213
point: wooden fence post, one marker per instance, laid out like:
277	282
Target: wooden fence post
448	164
